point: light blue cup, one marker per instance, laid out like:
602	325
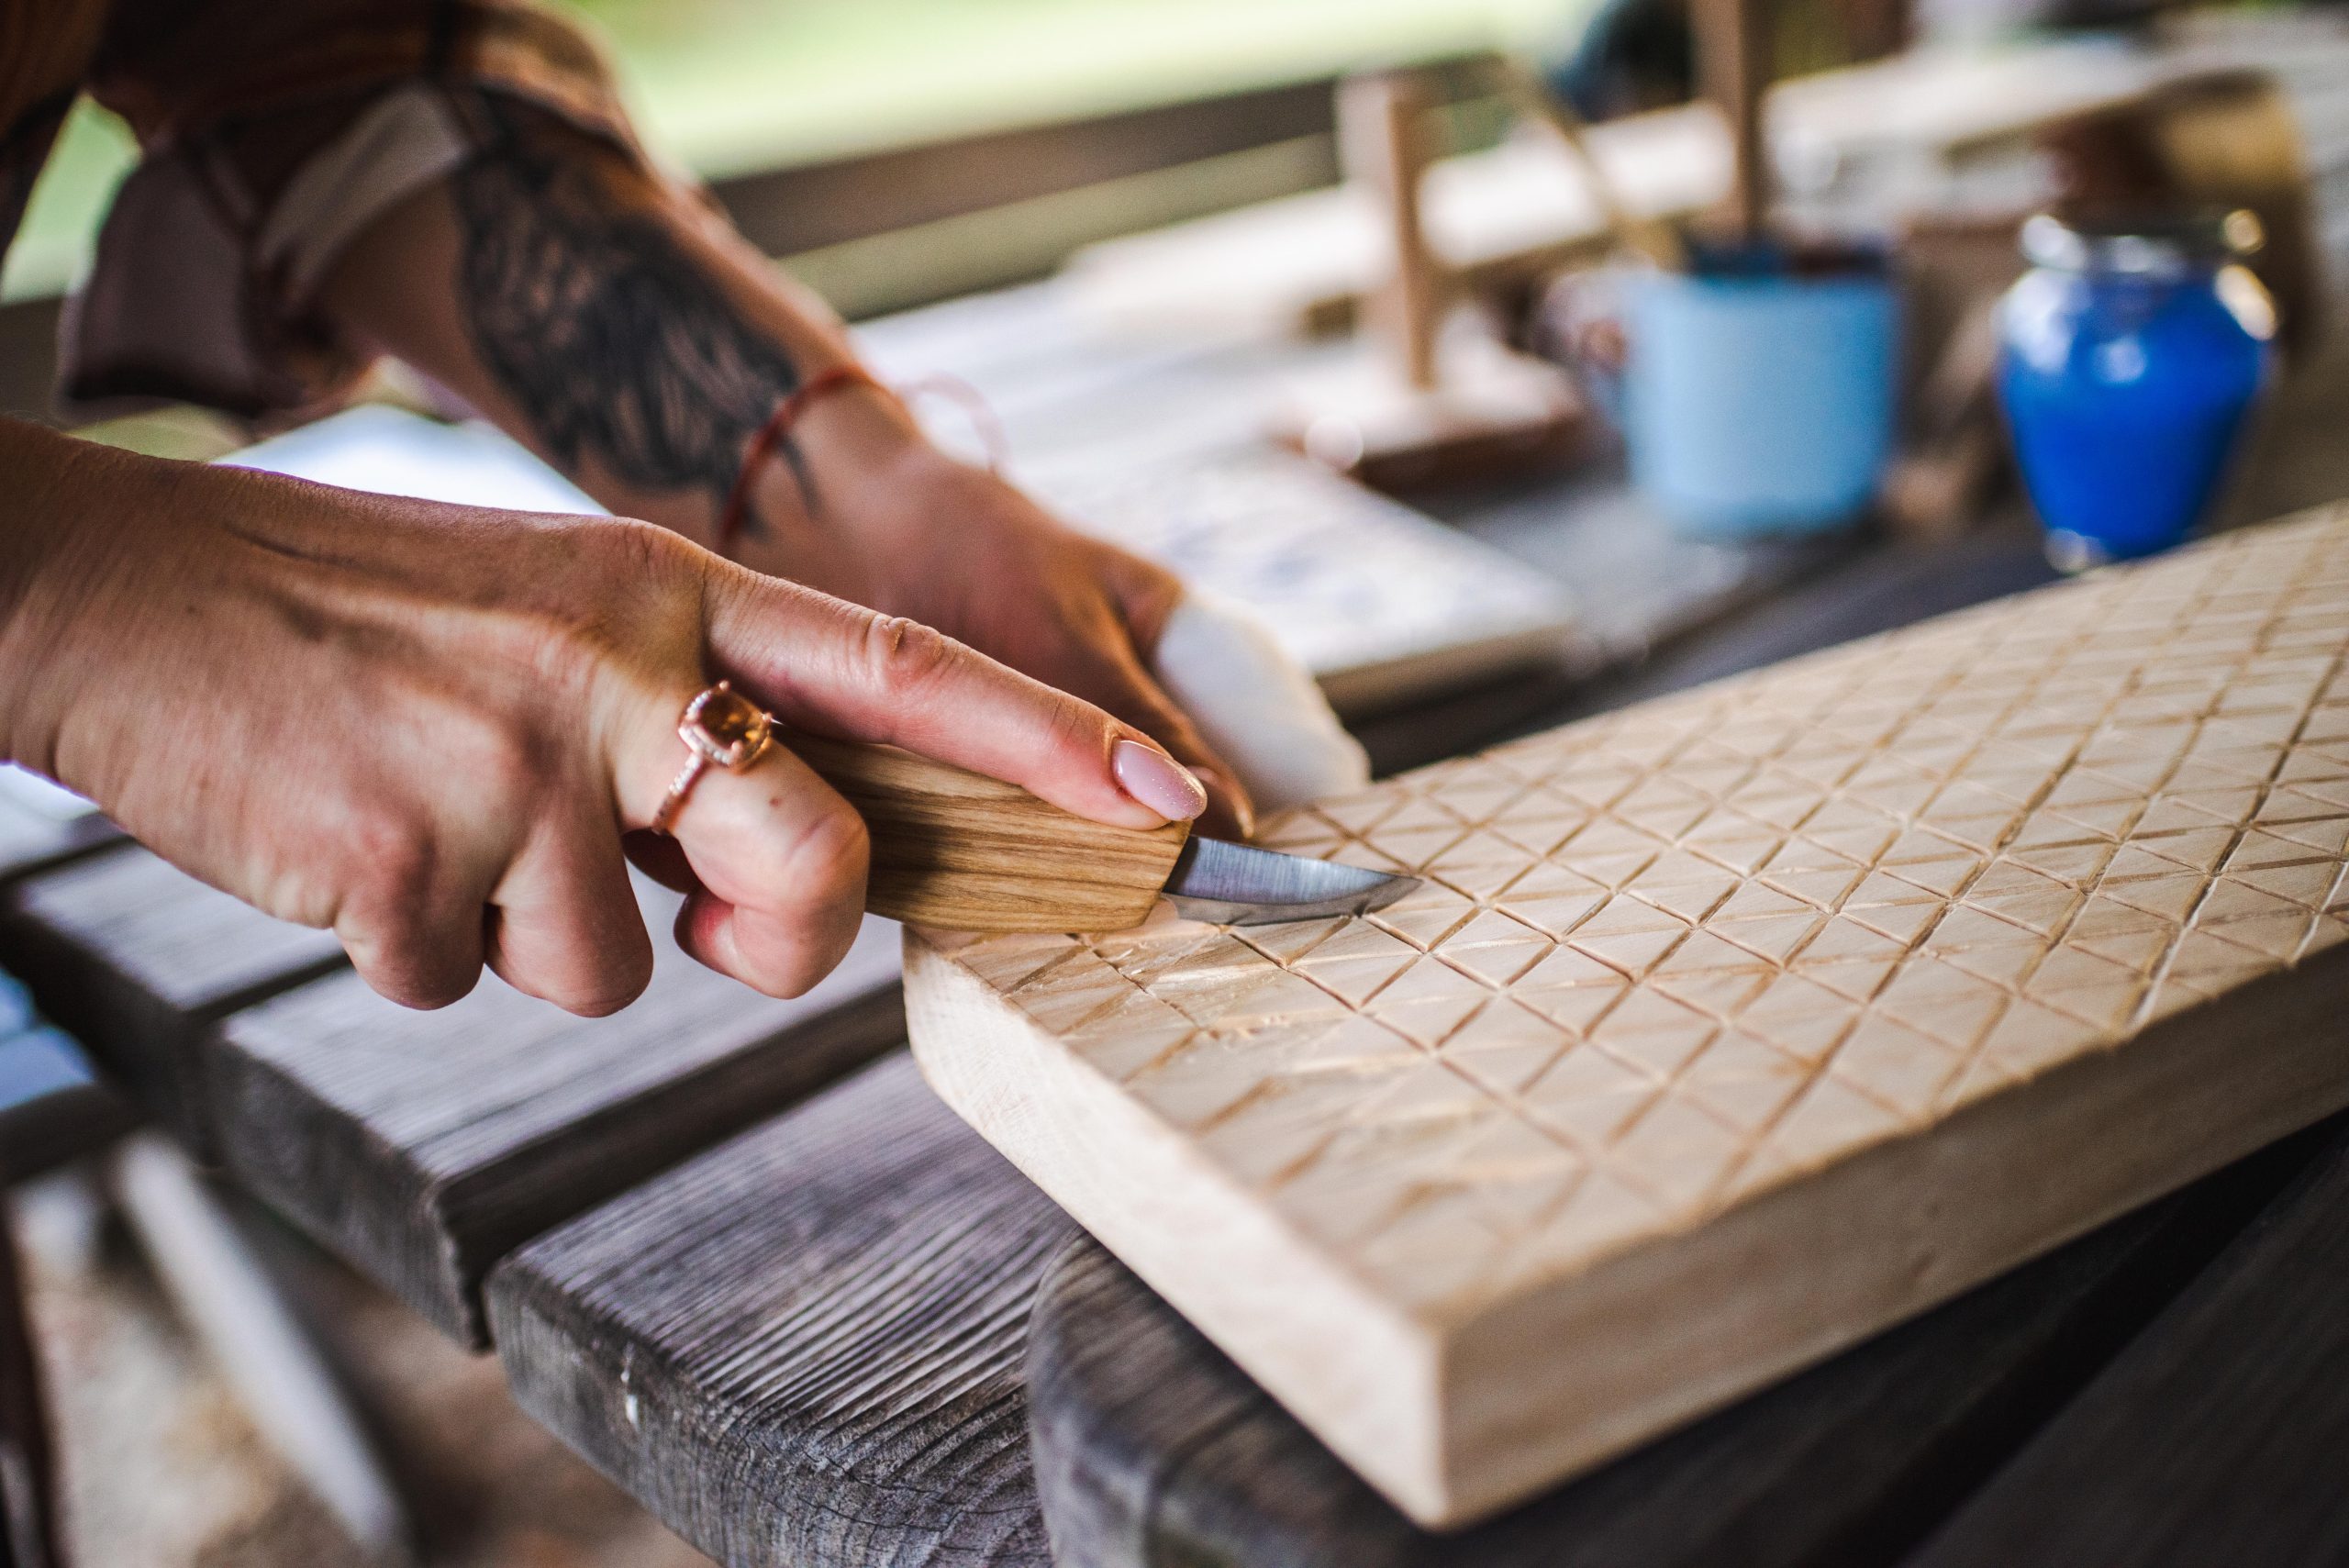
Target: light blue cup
1760	404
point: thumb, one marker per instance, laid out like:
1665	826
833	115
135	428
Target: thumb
834	668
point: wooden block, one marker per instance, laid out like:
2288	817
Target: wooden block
2218	1435
1729	1028
422	1147
1153	1451
137	959
962	849
803	1347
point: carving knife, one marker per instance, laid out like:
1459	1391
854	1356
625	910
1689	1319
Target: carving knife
957	849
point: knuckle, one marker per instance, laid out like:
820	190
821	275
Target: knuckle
809	959
400	959
907	659
1078	727
645	553
629	587
510	764
604	998
585	978
616	976
431	990
396	864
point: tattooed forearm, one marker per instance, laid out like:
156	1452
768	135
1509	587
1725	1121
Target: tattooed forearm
615	345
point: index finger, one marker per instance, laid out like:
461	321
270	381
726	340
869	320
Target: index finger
834	668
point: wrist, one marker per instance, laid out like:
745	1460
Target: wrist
816	500
53	556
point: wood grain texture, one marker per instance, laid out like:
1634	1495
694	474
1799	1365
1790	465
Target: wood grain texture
956	848
1687	986
136	960
2221	1435
422	1147
802	1349
36	835
1153	1451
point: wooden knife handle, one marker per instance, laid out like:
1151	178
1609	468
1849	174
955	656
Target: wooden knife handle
961	851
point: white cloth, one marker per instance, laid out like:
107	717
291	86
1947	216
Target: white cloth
1256	706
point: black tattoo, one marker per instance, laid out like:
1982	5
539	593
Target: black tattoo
612	341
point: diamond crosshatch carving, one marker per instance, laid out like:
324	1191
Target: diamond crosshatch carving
1671	962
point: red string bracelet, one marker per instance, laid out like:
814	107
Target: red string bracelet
763	445
974	406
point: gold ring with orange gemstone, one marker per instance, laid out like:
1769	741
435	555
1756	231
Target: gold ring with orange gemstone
721	728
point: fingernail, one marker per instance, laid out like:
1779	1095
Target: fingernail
1157	780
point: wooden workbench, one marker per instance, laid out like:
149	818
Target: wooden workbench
739	1256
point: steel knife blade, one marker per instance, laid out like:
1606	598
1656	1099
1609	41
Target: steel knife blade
1238	884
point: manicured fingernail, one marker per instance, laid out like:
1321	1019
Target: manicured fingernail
1157	780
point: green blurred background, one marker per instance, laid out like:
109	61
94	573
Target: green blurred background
728	86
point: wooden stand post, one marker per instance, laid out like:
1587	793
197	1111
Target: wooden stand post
1383	146
1432	395
1733	63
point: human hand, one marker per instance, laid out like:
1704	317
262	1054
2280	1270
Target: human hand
599	314
913	532
429	727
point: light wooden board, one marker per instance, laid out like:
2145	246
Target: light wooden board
422	1147
802	1349
1729	1028
1153	1451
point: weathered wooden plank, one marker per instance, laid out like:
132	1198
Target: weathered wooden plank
52	1105
41	826
803	1348
424	1146
1153	1449
136	960
421	1147
1946	947
2220	1435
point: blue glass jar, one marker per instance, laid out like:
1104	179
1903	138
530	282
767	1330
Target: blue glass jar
2129	357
